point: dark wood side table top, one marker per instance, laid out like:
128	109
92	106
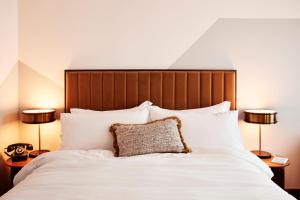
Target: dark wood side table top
18	164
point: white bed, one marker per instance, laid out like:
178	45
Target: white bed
219	167
203	174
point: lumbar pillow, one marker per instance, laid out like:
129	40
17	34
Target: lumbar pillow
160	136
90	129
206	129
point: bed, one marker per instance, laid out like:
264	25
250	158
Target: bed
206	173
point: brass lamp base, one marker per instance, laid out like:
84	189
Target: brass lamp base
262	154
36	153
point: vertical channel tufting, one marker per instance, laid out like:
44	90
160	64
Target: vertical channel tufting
193	90
180	90
156	88
218	87
230	93
108	90
96	91
168	90
71	91
205	89
132	97
144	86
84	90
120	90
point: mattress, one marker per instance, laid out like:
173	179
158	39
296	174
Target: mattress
96	174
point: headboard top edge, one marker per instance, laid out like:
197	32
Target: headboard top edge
200	70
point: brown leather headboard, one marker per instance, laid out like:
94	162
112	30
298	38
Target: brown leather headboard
171	89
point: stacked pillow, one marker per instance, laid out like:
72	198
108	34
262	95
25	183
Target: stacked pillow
169	130
210	127
88	129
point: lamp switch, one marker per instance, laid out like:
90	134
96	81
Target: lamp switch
279	160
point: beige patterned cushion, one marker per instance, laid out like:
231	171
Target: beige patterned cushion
160	136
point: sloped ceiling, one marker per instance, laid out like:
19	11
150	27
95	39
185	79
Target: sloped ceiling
56	34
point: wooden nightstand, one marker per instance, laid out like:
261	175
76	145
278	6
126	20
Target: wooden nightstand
15	167
278	170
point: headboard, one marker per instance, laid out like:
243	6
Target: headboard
171	89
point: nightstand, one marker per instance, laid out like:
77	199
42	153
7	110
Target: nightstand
15	167
278	170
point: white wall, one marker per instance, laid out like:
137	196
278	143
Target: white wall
265	53
9	128
9	72
8	37
60	34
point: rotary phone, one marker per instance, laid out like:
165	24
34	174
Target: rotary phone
18	151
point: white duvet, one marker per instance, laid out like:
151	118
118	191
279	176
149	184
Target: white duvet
206	175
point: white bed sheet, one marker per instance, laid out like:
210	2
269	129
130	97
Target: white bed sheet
209	175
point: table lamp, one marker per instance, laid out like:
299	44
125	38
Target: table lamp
38	116
260	117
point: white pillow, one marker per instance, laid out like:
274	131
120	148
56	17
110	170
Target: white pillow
218	108
90	129
205	129
145	104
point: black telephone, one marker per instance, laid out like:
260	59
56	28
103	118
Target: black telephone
19	151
